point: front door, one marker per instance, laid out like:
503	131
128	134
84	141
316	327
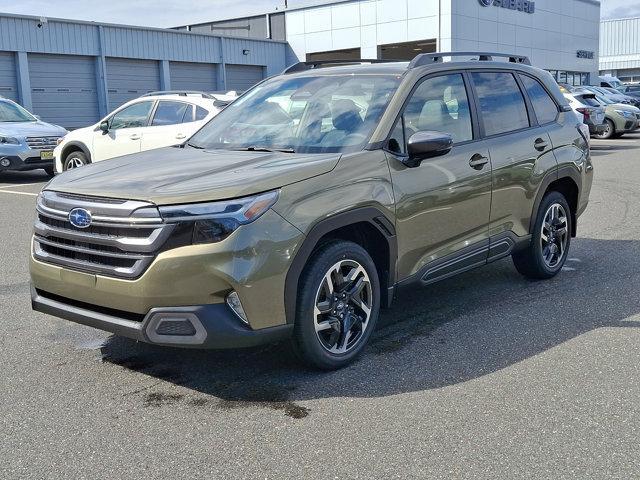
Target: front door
443	205
125	132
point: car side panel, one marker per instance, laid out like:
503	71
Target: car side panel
518	171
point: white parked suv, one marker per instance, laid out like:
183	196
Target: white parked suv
155	120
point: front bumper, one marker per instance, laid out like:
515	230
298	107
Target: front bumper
26	161
203	326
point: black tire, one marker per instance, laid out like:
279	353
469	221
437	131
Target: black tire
618	135
609	132
74	159
314	348
530	262
49	171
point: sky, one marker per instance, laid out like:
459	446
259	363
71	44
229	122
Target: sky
171	13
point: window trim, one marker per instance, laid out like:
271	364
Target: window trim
528	107
558	109
157	105
124	107
475	126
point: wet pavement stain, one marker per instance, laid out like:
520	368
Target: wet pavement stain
159	399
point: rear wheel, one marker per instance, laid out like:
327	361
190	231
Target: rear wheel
75	159
338	305
608	132
549	247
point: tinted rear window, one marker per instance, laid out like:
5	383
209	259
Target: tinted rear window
501	102
544	106
592	102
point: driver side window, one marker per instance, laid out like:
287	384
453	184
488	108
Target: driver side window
134	116
438	104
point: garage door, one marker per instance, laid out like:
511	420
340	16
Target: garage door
8	85
193	76
243	77
63	89
128	79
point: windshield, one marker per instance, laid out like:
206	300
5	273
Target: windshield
12	112
325	113
604	100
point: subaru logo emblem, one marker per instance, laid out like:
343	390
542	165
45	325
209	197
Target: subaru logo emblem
486	3
80	218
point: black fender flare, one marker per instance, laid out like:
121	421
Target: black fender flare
74	143
371	215
565	171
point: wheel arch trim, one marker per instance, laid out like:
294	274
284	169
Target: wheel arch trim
562	172
370	215
75	143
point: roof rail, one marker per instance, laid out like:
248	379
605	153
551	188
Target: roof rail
302	66
431	58
182	93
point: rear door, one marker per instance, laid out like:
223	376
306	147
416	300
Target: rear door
520	149
169	125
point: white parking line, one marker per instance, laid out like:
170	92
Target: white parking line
19	193
18	185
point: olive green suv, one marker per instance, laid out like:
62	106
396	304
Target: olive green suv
307	204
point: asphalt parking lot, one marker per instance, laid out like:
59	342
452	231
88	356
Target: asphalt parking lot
486	375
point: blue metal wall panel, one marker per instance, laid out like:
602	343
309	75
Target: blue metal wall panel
193	76
130	78
64	89
8	83
620	44
243	77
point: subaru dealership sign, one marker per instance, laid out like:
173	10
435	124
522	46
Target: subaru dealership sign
520	5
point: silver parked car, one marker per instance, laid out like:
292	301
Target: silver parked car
26	142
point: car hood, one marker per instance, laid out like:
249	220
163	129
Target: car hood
624	107
176	175
29	129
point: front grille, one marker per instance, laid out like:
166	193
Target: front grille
122	240
42	143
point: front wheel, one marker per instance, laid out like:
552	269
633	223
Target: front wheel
75	159
608	132
549	247
338	305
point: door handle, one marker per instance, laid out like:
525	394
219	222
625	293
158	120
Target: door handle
540	145
180	136
134	136
478	161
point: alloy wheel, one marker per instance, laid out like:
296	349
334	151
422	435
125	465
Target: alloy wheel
343	307
554	235
74	162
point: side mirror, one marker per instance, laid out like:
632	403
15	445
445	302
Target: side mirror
104	127
423	145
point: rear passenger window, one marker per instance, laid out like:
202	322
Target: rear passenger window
544	106
501	102
170	113
201	113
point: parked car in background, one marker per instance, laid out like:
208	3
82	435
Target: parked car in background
588	111
631	90
626	98
26	142
619	118
612	94
155	120
610	81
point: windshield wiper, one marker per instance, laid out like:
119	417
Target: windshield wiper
265	149
195	146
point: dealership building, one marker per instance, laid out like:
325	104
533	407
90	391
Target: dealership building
559	36
620	49
73	73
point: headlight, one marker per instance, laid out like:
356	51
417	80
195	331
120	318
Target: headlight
622	112
215	221
9	140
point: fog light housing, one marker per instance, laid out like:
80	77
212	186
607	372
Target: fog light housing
233	301
5	162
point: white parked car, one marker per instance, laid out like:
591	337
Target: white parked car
155	120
